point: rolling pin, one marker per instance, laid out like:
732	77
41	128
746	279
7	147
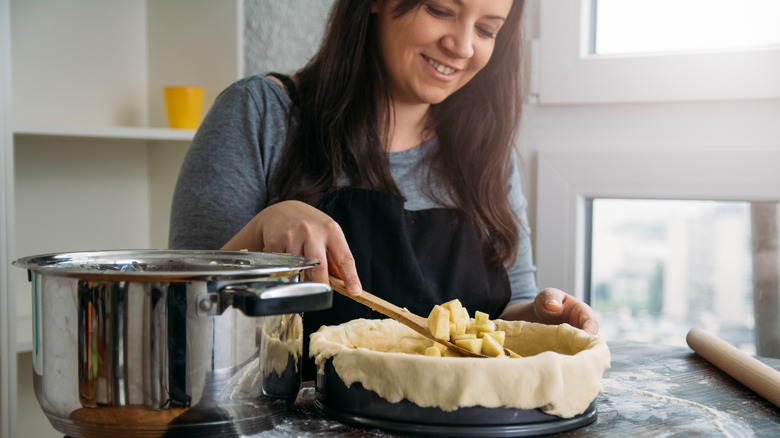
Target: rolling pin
748	370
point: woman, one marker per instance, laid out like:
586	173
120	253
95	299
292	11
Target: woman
388	157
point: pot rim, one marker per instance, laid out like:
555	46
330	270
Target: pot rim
165	264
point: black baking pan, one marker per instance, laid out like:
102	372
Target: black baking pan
358	406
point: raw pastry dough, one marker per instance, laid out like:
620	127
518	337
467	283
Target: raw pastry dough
560	371
282	340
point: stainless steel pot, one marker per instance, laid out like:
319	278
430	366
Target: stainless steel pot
168	343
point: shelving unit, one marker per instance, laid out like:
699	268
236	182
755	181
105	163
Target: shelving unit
91	162
102	132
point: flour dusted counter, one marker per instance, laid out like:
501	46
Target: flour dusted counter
651	390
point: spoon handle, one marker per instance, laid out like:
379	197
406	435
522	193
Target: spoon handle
404	316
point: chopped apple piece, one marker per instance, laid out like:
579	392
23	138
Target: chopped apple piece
457	328
439	323
455	308
481	319
491	347
498	335
463	321
482	323
440	347
432	351
458	317
451	322
513	355
473	345
451	353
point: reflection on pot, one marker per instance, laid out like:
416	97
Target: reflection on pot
282	348
150	351
179	357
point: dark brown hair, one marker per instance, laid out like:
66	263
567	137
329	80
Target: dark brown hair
342	93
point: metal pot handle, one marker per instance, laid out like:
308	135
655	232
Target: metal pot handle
269	298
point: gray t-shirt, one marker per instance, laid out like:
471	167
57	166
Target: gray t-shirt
228	173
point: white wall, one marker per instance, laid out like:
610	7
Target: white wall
282	36
693	126
179	33
69	63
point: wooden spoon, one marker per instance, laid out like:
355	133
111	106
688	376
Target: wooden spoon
404	316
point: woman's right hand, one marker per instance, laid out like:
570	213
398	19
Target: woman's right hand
297	228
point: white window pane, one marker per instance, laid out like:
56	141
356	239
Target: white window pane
648	26
660	268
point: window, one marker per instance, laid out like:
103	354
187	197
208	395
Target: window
727	179
660	267
579	60
647	26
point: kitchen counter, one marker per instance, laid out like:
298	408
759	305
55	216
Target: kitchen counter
651	390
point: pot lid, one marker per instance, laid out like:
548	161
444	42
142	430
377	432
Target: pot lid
166	265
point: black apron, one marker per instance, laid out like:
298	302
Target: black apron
413	259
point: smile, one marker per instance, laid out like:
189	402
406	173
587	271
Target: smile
441	68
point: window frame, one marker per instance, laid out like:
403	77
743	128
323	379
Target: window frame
569	74
567	179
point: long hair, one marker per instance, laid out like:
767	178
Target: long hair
337	131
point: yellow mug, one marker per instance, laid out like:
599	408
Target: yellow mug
183	105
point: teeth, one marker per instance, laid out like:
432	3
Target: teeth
443	69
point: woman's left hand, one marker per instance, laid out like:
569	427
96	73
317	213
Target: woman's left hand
554	306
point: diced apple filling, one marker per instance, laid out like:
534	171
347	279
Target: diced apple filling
491	347
473	345
439	323
432	351
450	322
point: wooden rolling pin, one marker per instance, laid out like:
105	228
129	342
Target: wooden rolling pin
748	370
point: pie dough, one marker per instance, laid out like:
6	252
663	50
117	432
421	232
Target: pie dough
282	340
560	371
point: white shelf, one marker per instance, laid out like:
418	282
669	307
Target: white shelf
94	137
104	132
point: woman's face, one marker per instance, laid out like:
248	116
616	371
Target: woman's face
436	48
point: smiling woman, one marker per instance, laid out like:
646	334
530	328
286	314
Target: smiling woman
435	50
388	157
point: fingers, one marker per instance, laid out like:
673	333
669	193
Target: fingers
583	317
336	259
343	267
591	326
314	250
554	306
340	260
296	228
549	303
